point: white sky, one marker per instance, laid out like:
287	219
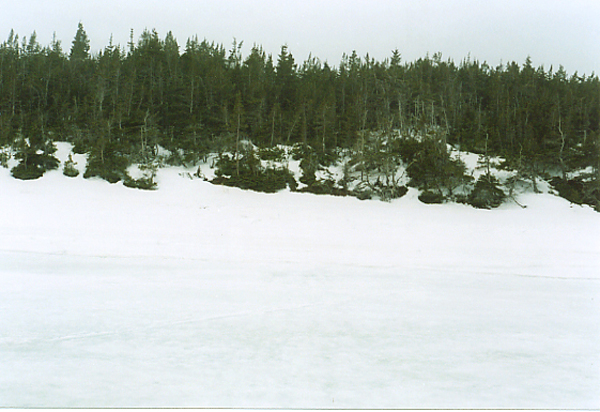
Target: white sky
552	32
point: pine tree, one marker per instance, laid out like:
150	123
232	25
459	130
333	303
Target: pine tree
80	50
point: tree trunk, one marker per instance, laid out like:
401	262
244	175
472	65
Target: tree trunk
237	144
562	148
192	97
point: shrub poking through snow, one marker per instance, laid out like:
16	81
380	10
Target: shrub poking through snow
246	172
106	162
69	168
486	194
430	197
4	158
579	190
141	176
430	165
274	154
36	156
144	183
387	193
110	167
24	172
324	187
267	180
33	165
309	166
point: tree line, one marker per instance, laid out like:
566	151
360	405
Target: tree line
124	102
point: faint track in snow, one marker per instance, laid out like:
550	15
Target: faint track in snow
405	266
500	273
160	326
240	314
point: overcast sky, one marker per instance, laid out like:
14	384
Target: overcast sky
552	32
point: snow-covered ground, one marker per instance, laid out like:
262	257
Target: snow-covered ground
203	295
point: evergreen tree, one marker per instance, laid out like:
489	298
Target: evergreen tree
80	50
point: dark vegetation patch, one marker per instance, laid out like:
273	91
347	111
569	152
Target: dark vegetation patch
486	194
430	197
579	190
33	165
69	168
246	172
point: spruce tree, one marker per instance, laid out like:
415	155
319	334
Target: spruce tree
80	50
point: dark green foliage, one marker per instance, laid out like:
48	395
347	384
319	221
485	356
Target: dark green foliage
267	180
109	166
364	194
4	158
409	149
309	167
144	183
486	194
324	187
245	164
584	154
79	147
247	173
430	165
579	190
310	162
572	189
386	192
302	151
430	197
274	154
461	198
23	172
33	165
111	176
80	49
273	180
34	149
225	166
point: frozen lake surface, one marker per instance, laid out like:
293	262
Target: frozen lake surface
199	295
132	332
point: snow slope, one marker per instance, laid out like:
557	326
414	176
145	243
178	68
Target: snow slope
202	295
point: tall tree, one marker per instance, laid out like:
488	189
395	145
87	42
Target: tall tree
80	50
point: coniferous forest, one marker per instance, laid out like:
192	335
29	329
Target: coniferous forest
121	104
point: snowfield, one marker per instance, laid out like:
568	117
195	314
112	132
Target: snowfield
209	296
